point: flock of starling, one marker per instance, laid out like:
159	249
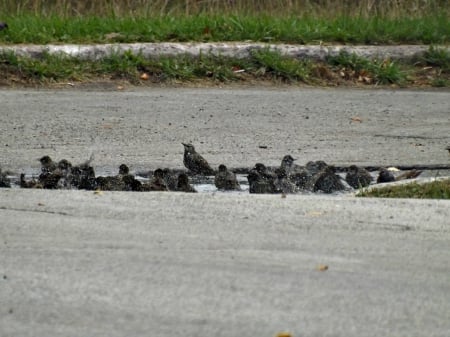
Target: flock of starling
287	178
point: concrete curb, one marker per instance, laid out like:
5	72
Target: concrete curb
234	49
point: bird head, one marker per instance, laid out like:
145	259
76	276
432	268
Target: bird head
189	147
123	169
287	160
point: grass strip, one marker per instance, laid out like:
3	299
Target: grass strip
262	65
433	190
39	29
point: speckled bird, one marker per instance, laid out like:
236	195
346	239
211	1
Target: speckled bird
358	177
194	162
226	180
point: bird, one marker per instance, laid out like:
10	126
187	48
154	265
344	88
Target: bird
226	180
183	184
358	177
47	164
131	183
3	25
83	176
295	173
194	162
4	180
50	175
287	164
409	175
283	182
156	183
327	181
261	180
30	183
315	167
385	176
171	179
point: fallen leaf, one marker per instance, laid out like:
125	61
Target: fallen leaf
98	192
41	204
356	119
144	77
322	267
314	213
284	334
120	87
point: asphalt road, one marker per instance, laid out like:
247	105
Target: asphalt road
77	263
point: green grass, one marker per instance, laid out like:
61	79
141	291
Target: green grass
381	72
433	190
263	64
30	28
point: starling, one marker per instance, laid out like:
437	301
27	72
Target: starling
156	183
284	183
3	25
195	162
130	182
315	167
183	184
64	167
262	180
29	184
287	164
4	180
171	179
226	180
121	182
385	176
83	177
358	177
47	164
123	169
327	181
50	180
409	175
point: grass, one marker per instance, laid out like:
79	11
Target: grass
29	28
275	21
433	190
263	64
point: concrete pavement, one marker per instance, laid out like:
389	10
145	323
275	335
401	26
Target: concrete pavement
76	263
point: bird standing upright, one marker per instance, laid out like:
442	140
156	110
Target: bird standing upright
195	162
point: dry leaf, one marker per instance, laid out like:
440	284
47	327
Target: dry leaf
120	87
356	119
314	213
98	192
144	77
322	267
284	334
41	204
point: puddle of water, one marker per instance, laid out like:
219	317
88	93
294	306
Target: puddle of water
205	184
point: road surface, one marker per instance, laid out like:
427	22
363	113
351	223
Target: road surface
79	263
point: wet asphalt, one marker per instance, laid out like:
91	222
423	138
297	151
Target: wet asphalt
76	263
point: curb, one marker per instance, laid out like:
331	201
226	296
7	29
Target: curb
231	49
